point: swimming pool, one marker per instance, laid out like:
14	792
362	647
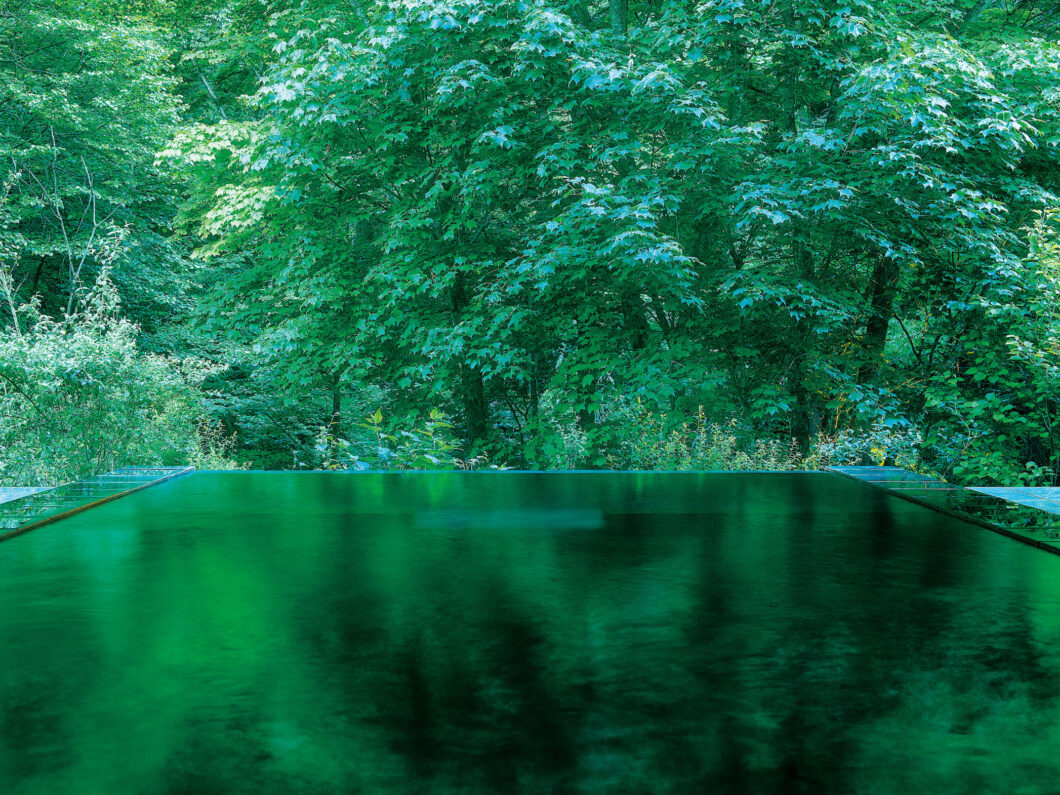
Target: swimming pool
496	632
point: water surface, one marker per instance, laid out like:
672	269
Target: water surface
320	633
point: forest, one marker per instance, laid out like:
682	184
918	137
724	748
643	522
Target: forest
530	234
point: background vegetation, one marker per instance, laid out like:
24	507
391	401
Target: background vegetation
633	234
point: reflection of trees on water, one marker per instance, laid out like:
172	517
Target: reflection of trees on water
305	634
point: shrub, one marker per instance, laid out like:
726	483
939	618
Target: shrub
432	445
77	396
875	446
665	441
215	446
557	439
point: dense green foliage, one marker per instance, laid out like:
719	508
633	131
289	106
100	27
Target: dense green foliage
79	396
582	234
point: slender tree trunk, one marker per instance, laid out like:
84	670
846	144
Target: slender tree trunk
802	424
36	277
618	16
336	407
634	322
472	389
476	412
881	301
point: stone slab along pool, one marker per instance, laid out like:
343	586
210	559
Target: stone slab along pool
503	632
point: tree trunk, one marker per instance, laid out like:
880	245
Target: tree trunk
618	17
335	426
476	413
881	300
634	322
472	389
802	424
36	277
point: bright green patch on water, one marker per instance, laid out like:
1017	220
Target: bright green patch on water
494	632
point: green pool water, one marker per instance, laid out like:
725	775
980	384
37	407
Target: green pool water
498	632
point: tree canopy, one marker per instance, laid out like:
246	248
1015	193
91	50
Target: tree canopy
581	234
